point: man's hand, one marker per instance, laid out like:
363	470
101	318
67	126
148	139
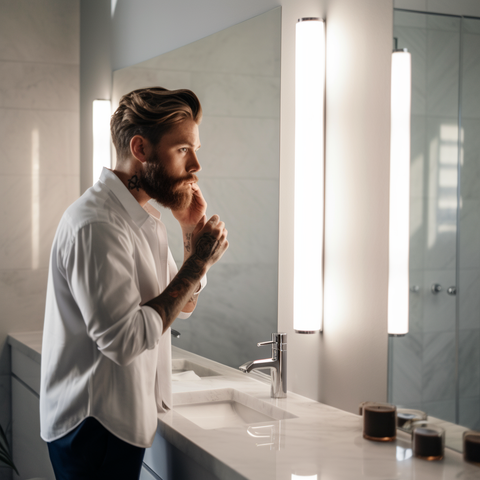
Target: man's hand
190	216
209	241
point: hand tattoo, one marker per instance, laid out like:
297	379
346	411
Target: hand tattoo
133	183
205	246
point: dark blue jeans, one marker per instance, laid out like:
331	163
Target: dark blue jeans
91	452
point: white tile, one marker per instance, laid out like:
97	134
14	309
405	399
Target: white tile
470	413
438	309
251	47
471	25
132	78
409	19
471	74
416	301
57	193
22	298
442	409
438	372
240	301
238	95
41	31
469	298
419	156
410	4
470	171
469	234
407	369
49	137
442	72
240	147
417	234
39	86
469	364
29	225
443	23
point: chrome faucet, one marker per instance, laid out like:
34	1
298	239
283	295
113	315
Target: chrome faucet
277	364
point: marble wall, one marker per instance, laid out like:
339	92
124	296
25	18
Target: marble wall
423	367
39	156
236	75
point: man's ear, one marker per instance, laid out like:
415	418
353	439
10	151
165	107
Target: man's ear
139	148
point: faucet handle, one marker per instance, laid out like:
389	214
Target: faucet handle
278	341
270	342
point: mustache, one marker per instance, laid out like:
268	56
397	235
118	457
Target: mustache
187	179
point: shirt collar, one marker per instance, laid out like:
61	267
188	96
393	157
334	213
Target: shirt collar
128	201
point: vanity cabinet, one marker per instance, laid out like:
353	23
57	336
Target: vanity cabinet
30	452
166	462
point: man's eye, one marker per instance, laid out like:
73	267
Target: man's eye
184	149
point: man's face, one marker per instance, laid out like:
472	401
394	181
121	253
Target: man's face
168	173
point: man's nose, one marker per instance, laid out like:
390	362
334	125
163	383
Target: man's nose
194	164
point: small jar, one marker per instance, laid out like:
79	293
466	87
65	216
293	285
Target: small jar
428	440
407	416
379	422
471	446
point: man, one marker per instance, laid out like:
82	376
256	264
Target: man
114	290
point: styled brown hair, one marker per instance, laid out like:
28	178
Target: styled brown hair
151	112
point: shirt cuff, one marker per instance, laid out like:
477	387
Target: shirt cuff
153	326
203	283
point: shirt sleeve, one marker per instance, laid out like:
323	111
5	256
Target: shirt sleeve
172	271
100	270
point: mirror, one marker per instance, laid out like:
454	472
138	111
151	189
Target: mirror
236	75
436	366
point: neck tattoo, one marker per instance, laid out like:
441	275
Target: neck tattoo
134	183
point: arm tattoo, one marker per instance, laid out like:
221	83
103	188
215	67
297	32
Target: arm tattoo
188	243
181	289
134	183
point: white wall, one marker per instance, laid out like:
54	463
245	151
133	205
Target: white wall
348	363
39	132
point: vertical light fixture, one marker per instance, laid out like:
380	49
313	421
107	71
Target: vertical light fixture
399	229
101	137
309	175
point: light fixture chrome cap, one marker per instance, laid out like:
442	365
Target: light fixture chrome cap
310	19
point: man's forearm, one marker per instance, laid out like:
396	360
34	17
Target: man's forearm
180	291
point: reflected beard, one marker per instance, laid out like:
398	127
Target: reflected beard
165	189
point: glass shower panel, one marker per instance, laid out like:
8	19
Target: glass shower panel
422	372
469	229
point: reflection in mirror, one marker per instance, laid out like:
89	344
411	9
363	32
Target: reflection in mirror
436	366
236	75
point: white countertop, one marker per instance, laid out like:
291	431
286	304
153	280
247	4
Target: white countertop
322	441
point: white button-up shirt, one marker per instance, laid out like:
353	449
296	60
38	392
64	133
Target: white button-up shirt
104	354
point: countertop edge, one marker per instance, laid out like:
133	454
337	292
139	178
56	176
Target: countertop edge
20	342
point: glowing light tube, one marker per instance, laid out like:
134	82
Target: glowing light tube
399	231
309	175
101	137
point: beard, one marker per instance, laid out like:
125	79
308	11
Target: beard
171	192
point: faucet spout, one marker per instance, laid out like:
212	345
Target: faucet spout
277	364
255	364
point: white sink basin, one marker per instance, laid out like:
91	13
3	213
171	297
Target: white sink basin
180	365
212	409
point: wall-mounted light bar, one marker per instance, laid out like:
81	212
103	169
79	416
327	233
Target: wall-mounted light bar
102	111
309	175
399	232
